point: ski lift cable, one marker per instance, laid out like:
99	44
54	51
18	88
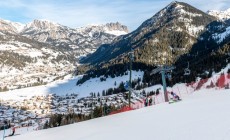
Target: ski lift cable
195	61
209	50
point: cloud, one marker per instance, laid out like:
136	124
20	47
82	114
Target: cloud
75	13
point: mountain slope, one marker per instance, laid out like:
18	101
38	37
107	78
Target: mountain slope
11	27
81	40
42	51
178	35
171	32
25	62
188	120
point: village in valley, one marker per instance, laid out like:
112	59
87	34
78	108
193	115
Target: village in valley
37	110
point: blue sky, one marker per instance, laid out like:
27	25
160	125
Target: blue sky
77	13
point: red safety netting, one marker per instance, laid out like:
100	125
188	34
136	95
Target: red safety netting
221	81
201	83
124	109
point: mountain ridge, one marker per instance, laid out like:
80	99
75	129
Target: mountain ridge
176	35
80	41
28	51
221	15
150	31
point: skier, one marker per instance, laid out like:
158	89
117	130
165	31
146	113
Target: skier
13	131
146	101
175	97
150	101
157	91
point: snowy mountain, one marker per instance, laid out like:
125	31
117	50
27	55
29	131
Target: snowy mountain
178	23
41	51
11	27
110	28
81	40
25	62
177	35
222	15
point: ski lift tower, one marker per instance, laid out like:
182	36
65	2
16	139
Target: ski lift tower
131	57
163	69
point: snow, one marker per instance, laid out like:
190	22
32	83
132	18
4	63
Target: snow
202	115
2	33
194	30
182	11
116	32
4	47
18	26
21	48
68	86
222	15
220	37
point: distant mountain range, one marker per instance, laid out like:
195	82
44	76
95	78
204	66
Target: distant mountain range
81	41
222	15
41	51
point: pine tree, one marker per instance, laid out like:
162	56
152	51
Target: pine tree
103	93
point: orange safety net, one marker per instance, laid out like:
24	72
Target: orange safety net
124	109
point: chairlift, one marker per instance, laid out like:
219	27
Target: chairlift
169	76
187	70
227	59
131	55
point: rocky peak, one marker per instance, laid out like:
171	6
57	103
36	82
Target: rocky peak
11	27
221	15
117	26
174	11
110	28
43	25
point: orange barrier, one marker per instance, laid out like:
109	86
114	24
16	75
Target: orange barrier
124	109
201	83
221	81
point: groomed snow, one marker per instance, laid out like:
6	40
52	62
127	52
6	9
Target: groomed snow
203	115
68	86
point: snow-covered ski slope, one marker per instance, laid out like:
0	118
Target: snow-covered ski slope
202	115
68	86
